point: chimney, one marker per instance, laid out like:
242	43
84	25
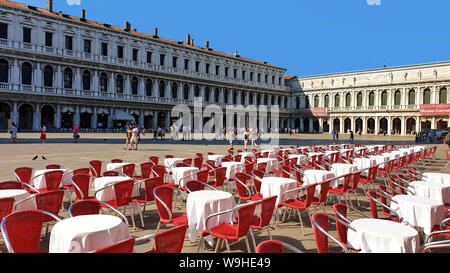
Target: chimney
236	54
83	14
127	26
192	42
50	5
207	44
155	32
188	39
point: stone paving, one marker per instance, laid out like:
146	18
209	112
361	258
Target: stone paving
60	149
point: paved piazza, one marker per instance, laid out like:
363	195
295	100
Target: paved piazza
60	149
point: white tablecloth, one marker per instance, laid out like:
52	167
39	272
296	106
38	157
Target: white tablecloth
19	195
442	178
432	190
180	172
39	182
276	186
233	168
364	163
300	158
272	164
272	153
216	158
201	204
419	211
108	194
85	233
169	162
393	155
316	176
383	236
245	154
418	148
340	169
379	159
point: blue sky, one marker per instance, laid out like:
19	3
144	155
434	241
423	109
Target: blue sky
307	37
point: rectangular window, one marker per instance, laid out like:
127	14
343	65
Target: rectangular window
135	54
87	46
217	69
162	58
3	31
235	73
259	77
243	75
174	62
104	49
266	78
207	68
27	35
226	71
251	76
149	57
49	39
197	66
120	52
186	64
273	79
69	43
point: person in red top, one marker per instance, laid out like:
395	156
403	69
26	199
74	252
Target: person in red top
76	136
43	133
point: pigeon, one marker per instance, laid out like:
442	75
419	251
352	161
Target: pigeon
34	158
43	157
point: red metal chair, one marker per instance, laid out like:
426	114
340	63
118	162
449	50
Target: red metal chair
168	156
237	158
374	202
146	170
128	170
257	176
354	185
229	231
96	167
320	201
164	201
52	181
340	212
124	246
386	170
70	188
11	185
248	168
23	174
341	189
22	230
261	166
203	176
187	161
53	167
300	205
154	160
219	177
117	161
196	185
81	185
272	246
110	173
244	192
159	171
150	184
370	178
167	241
90	207
198	162
320	223
267	206
6	206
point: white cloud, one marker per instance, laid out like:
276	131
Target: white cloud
374	2
73	2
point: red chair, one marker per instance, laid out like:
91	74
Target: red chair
92	207
167	241
117	161
122	194
187	161
272	246
228	231
22	230
96	167
168	156
267	206
203	176
70	188
159	171
248	168
340	212
261	166
128	170
110	173
244	192
237	158
150	184
154	160
124	246
6	206
198	162
81	185
52	181
320	223
11	185
23	174
196	185
374	202
53	167
320	201
257	177
300	205
219	177
370	178
354	185
164	200
386	170
341	189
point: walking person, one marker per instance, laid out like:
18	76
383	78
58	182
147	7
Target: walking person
337	136
253	136
352	137
134	138
128	134
246	137
13	132
231	137
43	137
76	136
334	135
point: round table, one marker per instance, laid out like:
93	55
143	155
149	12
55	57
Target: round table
85	233
382	236
276	186
340	169
19	195
433	190
246	154
118	167
39	181
108	194
169	162
216	158
272	164
233	168
442	178
316	176
392	155
364	163
381	160
419	211
179	172
300	158
201	204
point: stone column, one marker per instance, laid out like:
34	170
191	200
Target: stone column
77	85
110	118
58	116
37	117
311	125
94	120
377	124
95	82
341	125
77	116
112	83
155	119
364	126
155	90
15	114
389	125
301	126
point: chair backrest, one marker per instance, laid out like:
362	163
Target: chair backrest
245	217
23	174
81	171
310	191
257	183
170	240
163	198
50	201
447	152
110	173
270	246
159	171
23	230
84	207
373	204
82	184
324	187
6	206
372	173
220	176
198	162
237	158
128	169
286	171
383	199
341	209
11	185
150	185
248	159
210	165
194	185
240	183
123	191
146	169
262	166
203	176
53	180
187	161
168	156
96	167
53	167
321	239
154	160
248	168
355	180
116	160
267	208
124	246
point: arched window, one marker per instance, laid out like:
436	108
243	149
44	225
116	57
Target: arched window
384	98
4	71
397	97
242	98
27	74
272	100
207	94
186	92
359	99
316	101
348	100
174	90
372	98
48	76
119	84
148	87
234	100
103	82
86	80
67	78
250	98
326	101
197	91
162	89
337	101
412	97
216	95
134	86
443	95
426	96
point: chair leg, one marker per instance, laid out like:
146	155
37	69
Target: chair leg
268	232
248	244
253	238
217	246
228	245
301	222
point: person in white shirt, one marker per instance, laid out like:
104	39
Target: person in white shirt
134	137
